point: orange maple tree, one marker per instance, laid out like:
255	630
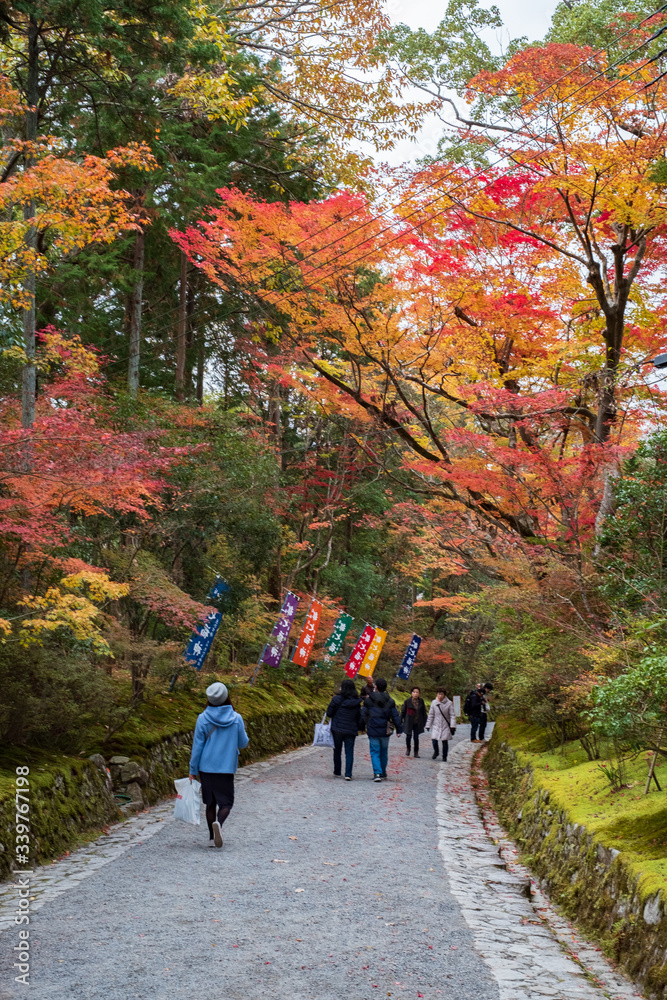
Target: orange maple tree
496	325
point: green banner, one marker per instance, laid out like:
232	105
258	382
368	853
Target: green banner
335	641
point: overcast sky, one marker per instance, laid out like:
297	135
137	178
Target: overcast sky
521	17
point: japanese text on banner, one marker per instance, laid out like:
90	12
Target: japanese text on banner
359	651
369	662
197	649
304	646
335	641
275	647
409	657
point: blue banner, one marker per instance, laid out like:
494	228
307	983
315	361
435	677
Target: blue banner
409	657
201	641
219	588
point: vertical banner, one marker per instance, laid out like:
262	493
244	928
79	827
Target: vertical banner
369	662
359	651
335	641
275	647
219	588
197	649
409	658
304	646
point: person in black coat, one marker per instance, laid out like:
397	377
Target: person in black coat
345	713
379	714
413	717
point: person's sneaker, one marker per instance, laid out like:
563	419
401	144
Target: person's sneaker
435	756
336	774
211	842
348	778
407	753
384	775
217	834
377	777
416	755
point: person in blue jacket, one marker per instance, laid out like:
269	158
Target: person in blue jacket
219	735
378	712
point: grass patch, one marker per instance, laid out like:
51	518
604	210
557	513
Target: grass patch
627	820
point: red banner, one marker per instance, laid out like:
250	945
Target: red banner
304	646
359	651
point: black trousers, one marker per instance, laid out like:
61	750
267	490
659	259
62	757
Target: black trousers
408	738
445	748
217	788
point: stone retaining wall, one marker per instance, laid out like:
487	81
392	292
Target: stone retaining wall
67	798
72	797
587	880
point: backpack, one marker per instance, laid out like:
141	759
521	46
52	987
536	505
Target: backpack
467	705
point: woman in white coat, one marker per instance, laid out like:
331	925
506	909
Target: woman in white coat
441	723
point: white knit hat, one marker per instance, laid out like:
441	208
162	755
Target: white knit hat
216	693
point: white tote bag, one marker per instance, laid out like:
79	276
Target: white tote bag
187	806
323	734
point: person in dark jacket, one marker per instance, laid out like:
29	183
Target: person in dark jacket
413	717
474	703
378	711
345	713
484	709
367	689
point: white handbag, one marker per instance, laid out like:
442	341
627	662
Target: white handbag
323	735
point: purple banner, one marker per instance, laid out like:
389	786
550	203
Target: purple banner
275	647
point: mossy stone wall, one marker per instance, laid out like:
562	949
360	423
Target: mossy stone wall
269	733
67	797
586	879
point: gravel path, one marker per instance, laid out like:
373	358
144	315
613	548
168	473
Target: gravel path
324	890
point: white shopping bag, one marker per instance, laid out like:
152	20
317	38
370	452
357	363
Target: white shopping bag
323	735
188	801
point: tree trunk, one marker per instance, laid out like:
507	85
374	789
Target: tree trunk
275	415
136	301
200	369
181	341
607	407
29	376
274	583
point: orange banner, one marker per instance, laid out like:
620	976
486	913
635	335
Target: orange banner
304	646
373	655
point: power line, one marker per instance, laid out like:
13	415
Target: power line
465	182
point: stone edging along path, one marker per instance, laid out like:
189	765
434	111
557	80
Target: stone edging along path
51	880
531	950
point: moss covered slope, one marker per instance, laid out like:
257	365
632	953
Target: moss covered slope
627	821
602	855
